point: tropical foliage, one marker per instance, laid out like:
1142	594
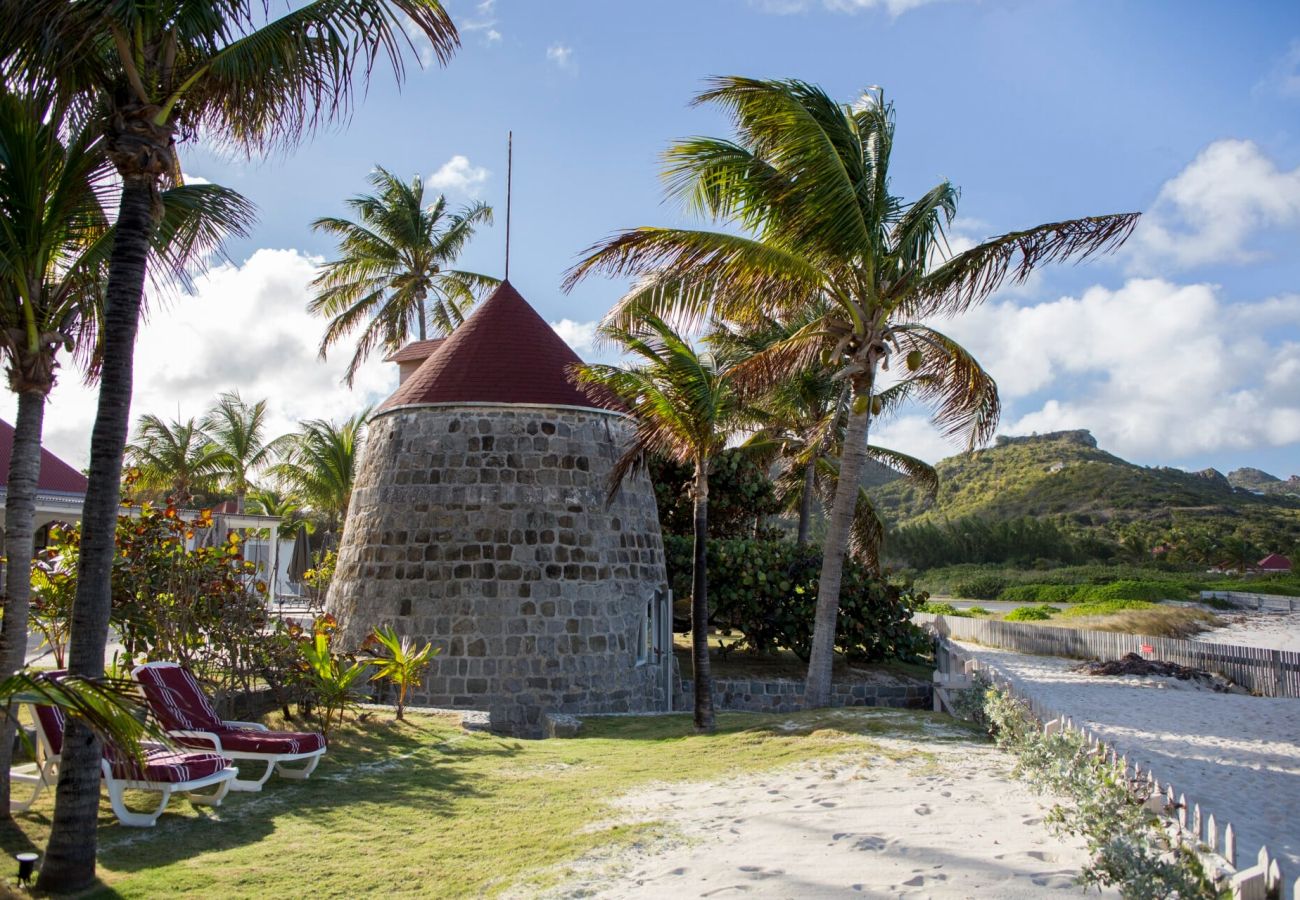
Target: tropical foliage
684	404
146	74
394	268
807	181
399	662
319	462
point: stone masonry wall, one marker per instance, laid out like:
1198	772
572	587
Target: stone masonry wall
784	695
485	530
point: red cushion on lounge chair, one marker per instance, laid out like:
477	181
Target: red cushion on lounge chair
166	766
177	700
249	740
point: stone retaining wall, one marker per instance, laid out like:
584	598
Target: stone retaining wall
785	695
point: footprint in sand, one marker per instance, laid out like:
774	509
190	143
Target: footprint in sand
915	882
870	842
829	804
760	873
1040	856
1057	881
922	810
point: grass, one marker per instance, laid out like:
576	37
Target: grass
1121	616
1180	585
423	809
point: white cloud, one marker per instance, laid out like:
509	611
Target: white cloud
483	20
1284	77
245	328
916	436
1209	211
187	178
1154	369
457	176
561	55
580	336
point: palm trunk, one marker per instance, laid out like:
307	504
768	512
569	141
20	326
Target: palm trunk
805	503
423	327
822	658
20	531
700	605
69	863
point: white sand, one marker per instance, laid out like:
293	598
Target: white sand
1238	756
897	825
1275	630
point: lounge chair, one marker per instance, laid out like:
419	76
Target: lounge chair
182	708
164	770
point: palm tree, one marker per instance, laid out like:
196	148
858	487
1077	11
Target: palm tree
392	267
236	430
148	71
285	507
54	244
319	463
173	459
685	406
807	180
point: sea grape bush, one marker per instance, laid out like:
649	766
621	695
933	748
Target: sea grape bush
1131	850
767	591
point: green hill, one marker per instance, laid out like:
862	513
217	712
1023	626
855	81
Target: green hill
1064	476
1261	482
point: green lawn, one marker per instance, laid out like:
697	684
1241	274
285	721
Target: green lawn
425	809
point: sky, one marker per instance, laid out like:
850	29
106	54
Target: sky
1182	349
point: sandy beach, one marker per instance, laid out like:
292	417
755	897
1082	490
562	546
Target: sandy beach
1236	755
1275	630
913	819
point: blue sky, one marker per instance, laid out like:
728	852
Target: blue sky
1183	350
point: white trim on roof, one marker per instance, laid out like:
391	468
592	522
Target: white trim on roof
486	404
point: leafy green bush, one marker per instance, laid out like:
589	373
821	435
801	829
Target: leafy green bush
944	609
1130	847
981	587
1106	607
977	611
1043	593
1029	614
767	591
741	495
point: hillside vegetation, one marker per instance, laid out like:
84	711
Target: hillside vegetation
1066	480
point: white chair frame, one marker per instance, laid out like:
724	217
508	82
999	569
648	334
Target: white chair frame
275	762
44	772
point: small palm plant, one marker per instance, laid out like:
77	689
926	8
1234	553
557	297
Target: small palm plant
331	679
401	664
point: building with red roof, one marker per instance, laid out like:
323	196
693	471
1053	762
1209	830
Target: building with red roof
481	520
1274	562
409	356
60	489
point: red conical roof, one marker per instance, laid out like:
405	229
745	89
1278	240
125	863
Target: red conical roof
503	353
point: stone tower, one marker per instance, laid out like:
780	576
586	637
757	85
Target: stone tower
479	521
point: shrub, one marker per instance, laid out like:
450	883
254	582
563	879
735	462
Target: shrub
330	678
943	609
399	662
1106	607
977	611
981	587
741	495
1029	614
1042	593
767	590
1131	849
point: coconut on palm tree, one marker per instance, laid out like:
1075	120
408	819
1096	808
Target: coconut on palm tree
147	72
806	181
393	270
685	405
236	431
54	243
318	465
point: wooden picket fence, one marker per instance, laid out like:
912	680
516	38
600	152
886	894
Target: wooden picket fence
1258	878
1268	673
1266	602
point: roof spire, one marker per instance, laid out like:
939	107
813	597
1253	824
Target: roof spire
510	165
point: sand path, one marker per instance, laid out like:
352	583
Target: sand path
908	819
1238	756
